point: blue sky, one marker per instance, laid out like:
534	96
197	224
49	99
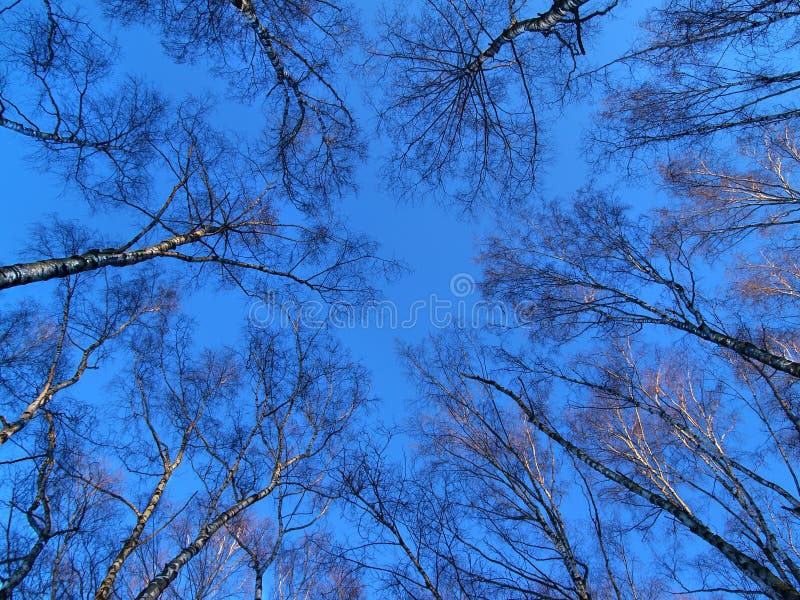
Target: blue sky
430	235
432	238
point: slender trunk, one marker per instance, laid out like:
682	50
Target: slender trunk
292	86
771	585
22	569
414	558
55	138
745	349
264	38
9	428
543	22
107	586
171	570
41	524
259	591
24	273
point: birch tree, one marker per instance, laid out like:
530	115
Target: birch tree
471	83
248	431
655	447
180	188
285	58
466	83
248	435
488	507
59	90
301	416
45	355
218	216
667	391
702	69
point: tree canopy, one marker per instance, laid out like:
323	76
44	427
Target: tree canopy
628	429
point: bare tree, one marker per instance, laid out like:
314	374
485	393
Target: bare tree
466	81
597	266
729	200
287	58
256	430
62	95
700	69
183	189
221	215
667	391
489	507
45	356
300	415
239	430
388	508
19	563
510	488
673	438
169	395
643	441
53	524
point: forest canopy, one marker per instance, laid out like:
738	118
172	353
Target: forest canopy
630	430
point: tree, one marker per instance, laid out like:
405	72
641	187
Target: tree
187	191
730	201
219	212
647	372
466	81
390	509
44	355
640	457
301	416
285	57
489	507
62	96
470	97
102	515
595	266
638	439
703	68
243	430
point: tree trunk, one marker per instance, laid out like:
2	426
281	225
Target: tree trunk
107	586
259	591
171	570
744	348
543	22
771	585
24	273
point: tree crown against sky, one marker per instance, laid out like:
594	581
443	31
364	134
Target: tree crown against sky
639	439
